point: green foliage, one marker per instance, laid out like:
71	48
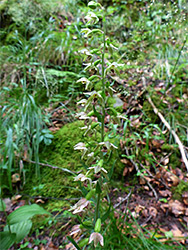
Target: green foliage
19	225
22	129
45	54
178	190
58	183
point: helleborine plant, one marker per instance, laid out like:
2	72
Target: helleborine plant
96	108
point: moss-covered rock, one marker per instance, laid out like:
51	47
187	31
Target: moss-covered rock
59	183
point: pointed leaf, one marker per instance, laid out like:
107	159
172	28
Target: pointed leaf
21	229
7	239
2	205
24	213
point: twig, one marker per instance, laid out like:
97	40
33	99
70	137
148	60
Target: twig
51	166
150	175
137	169
124	199
148	219
181	147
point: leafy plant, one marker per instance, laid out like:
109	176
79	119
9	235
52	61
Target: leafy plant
22	127
18	224
95	105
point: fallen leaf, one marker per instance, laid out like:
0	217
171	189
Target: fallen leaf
157	143
16	197
176	207
165	193
153	212
177	234
171	179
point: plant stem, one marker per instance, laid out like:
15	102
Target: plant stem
177	61
103	113
103	83
97	207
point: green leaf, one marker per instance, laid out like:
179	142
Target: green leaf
106	215
98	188
59	73
93	5
21	229
7	239
2	205
25	213
49	136
97	114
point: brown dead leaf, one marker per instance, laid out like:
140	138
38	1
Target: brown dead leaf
178	235
51	246
157	143
164	207
139	208
153	212
171	179
125	171
145	213
142	181
125	105
16	197
125	161
165	193
176	207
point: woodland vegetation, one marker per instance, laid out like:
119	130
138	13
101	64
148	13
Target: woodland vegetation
93	127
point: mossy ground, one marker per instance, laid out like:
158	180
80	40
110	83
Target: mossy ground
178	190
57	183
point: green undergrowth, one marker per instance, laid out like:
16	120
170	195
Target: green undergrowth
57	183
179	189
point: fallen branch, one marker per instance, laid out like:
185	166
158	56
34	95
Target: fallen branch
124	199
181	147
51	166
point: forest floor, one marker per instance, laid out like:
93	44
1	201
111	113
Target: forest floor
149	196
157	200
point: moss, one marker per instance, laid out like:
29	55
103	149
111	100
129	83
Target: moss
57	183
148	110
61	153
168	147
175	156
178	190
